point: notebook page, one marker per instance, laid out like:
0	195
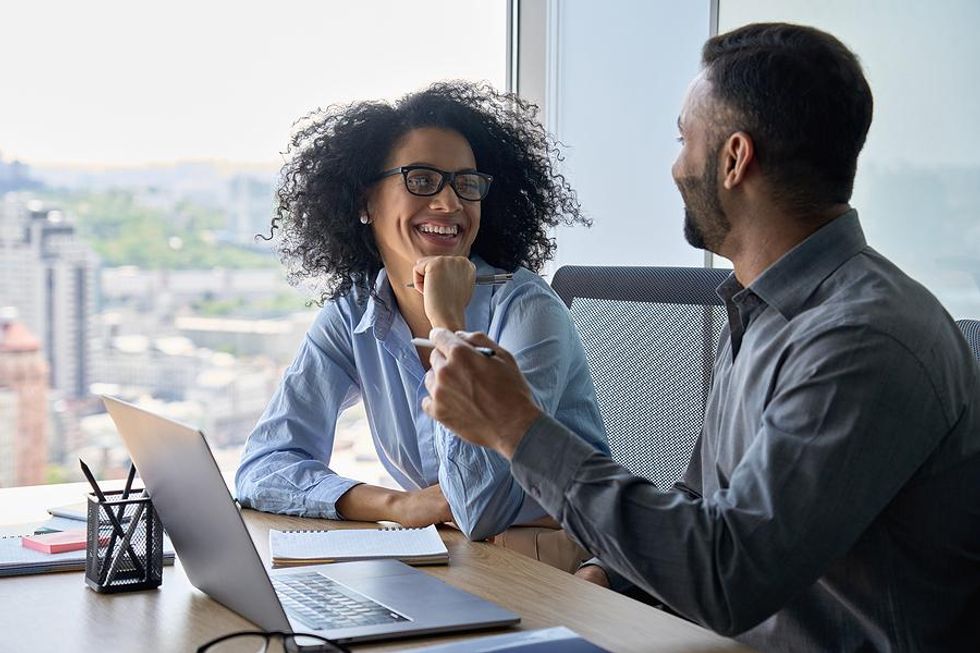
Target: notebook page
357	543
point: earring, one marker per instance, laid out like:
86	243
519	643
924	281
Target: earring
365	219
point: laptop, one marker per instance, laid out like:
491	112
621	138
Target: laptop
345	602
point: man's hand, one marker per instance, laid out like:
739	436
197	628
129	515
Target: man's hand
420	508
484	400
594	574
446	284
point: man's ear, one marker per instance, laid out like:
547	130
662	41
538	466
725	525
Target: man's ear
736	155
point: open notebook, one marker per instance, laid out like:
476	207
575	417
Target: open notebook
415	546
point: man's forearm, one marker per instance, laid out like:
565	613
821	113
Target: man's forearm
626	521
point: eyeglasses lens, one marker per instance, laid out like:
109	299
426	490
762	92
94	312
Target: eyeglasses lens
246	644
471	187
425	182
422	181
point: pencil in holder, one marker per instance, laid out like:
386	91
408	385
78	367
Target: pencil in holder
124	544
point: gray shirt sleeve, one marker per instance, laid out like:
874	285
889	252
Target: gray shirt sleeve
853	418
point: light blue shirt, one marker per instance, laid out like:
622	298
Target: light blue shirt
359	348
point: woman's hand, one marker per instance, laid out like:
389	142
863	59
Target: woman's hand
420	508
446	284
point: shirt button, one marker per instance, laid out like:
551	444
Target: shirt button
535	491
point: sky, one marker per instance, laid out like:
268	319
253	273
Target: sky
110	83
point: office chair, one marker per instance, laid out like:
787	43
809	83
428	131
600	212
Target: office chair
650	335
971	329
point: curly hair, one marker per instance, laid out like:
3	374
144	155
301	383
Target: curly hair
336	153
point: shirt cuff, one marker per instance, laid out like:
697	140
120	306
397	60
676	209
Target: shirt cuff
321	499
547	460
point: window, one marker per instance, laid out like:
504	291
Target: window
136	165
918	181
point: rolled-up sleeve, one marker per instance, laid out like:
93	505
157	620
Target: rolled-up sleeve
834	447
285	463
535	327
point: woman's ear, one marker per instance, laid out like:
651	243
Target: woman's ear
365	212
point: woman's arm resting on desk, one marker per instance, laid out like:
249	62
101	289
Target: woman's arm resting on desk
412	509
285	463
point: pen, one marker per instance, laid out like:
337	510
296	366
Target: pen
133	525
425	342
486	280
107	576
116	527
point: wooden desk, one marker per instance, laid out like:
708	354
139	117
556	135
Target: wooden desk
57	612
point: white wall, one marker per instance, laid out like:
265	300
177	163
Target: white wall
615	77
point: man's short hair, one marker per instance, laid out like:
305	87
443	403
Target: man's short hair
802	97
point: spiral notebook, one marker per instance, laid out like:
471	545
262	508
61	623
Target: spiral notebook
415	546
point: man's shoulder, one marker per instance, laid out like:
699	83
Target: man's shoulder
871	303
870	292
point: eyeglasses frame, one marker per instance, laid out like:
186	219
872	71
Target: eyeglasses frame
268	635
446	178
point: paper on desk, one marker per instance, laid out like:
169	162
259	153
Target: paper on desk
411	545
546	640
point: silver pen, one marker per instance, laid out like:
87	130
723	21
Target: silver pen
486	279
425	342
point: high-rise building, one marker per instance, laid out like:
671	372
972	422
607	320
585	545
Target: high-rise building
23	404
15	175
48	274
250	208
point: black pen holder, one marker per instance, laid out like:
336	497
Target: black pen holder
125	544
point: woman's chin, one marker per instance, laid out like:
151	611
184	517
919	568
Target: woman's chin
430	245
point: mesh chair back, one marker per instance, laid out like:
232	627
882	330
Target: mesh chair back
650	335
971	329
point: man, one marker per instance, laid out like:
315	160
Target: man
833	502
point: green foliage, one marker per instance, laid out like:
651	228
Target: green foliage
280	304
54	473
124	232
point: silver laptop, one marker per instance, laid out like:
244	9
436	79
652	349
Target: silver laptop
346	602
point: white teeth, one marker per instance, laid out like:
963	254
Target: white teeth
439	229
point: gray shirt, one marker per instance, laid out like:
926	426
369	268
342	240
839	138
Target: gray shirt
833	502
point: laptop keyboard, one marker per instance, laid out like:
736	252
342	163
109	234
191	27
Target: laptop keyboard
322	604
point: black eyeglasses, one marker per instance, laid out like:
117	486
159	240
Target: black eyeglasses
253	641
425	181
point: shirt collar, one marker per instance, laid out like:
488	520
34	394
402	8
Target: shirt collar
789	282
380	311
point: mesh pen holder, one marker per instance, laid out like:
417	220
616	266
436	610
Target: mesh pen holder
128	555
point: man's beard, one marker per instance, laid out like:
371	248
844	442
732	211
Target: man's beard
705	222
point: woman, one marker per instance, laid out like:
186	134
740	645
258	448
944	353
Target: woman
396	210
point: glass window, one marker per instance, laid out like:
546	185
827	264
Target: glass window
137	164
918	180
